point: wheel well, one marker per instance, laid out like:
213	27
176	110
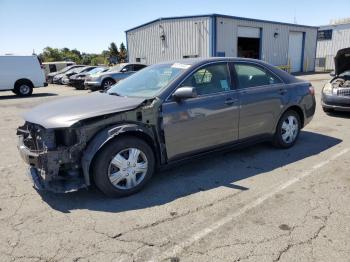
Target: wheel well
299	111
23	81
108	78
137	134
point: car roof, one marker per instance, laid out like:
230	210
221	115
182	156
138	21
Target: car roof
195	62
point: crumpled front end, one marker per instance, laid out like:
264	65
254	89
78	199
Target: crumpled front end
53	157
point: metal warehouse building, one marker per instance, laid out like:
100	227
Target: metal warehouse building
280	44
330	39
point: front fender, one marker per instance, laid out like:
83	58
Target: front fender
103	137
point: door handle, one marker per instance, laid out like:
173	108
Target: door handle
282	91
231	101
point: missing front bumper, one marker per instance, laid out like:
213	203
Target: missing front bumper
57	185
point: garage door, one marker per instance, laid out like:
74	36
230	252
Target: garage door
249	32
295	51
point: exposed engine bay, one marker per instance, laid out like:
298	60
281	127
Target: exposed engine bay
343	82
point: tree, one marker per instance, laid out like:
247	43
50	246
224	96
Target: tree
110	56
50	54
123	54
113	53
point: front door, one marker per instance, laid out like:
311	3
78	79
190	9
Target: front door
262	96
209	120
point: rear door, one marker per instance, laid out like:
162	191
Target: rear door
204	122
262	97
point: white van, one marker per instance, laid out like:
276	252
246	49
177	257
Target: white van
21	74
51	67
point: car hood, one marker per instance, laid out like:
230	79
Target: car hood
342	61
53	74
68	111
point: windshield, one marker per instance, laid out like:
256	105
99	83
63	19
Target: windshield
66	69
96	70
148	82
116	68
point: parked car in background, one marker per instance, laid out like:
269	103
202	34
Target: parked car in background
336	93
49	77
66	80
113	75
78	80
21	74
159	116
52	67
57	79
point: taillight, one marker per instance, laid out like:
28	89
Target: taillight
311	90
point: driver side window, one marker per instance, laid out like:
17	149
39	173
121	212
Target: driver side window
210	79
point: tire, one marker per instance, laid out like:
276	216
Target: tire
23	88
287	134
327	110
129	176
107	83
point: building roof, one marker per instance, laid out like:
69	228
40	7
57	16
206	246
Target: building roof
217	15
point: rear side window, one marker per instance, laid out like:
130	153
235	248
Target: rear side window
210	79
250	76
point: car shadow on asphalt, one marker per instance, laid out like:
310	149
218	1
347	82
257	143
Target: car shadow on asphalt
3	97
218	170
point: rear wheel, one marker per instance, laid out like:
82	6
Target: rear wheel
123	166
23	88
107	83
288	130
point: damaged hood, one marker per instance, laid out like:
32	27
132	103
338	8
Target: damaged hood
68	111
342	61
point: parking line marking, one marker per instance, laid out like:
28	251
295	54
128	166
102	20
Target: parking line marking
178	248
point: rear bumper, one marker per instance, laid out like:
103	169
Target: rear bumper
340	103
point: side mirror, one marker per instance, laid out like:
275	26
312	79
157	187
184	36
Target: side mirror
332	74
184	93
123	70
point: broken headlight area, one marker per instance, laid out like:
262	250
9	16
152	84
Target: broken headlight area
53	157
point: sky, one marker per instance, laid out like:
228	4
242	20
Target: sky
91	25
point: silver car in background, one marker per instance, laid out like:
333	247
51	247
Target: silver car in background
116	73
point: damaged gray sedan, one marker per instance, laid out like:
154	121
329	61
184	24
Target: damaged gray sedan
160	116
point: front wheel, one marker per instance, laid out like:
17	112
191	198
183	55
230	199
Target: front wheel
288	130
123	166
